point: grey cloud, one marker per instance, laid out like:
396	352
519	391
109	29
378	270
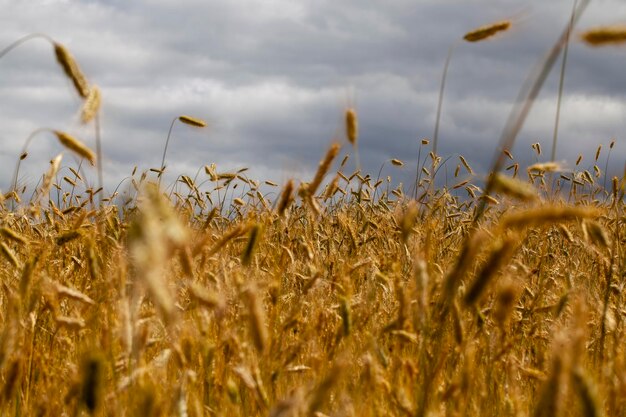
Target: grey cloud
273	77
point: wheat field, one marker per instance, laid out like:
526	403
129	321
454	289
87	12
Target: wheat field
345	295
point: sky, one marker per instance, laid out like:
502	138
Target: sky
272	78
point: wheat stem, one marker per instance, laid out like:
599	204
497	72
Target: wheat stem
442	87
23	40
561	82
522	107
188	120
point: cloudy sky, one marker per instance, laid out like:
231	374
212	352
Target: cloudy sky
273	78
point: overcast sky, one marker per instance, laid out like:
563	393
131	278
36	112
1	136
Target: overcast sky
273	78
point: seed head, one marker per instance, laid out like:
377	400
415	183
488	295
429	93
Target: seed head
604	35
71	69
286	198
352	126
323	168
514	188
76	146
488	31
192	121
91	105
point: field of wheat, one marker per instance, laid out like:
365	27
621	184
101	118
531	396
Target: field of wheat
345	295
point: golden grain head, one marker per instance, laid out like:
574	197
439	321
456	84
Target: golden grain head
256	319
91	106
286	198
192	121
579	159
11	234
547	214
332	188
71	69
465	164
352	126
545	167
9	254
595	233
489	199
460	184
514	188
323	168
66	237
500	255
73	144
55	164
487	31
253	240
604	35
536	147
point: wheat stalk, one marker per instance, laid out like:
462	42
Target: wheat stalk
561	82
476	35
188	120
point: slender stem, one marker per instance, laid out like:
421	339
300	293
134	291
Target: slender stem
167	141
56	182
608	272
606	170
195	178
119	184
99	156
421	170
442	163
417	170
75	179
561	81
173	186
438	118
522	107
19	158
219	198
23	40
225	195
440	102
378	178
35	190
30	362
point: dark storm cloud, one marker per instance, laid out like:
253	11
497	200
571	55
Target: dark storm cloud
273	77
